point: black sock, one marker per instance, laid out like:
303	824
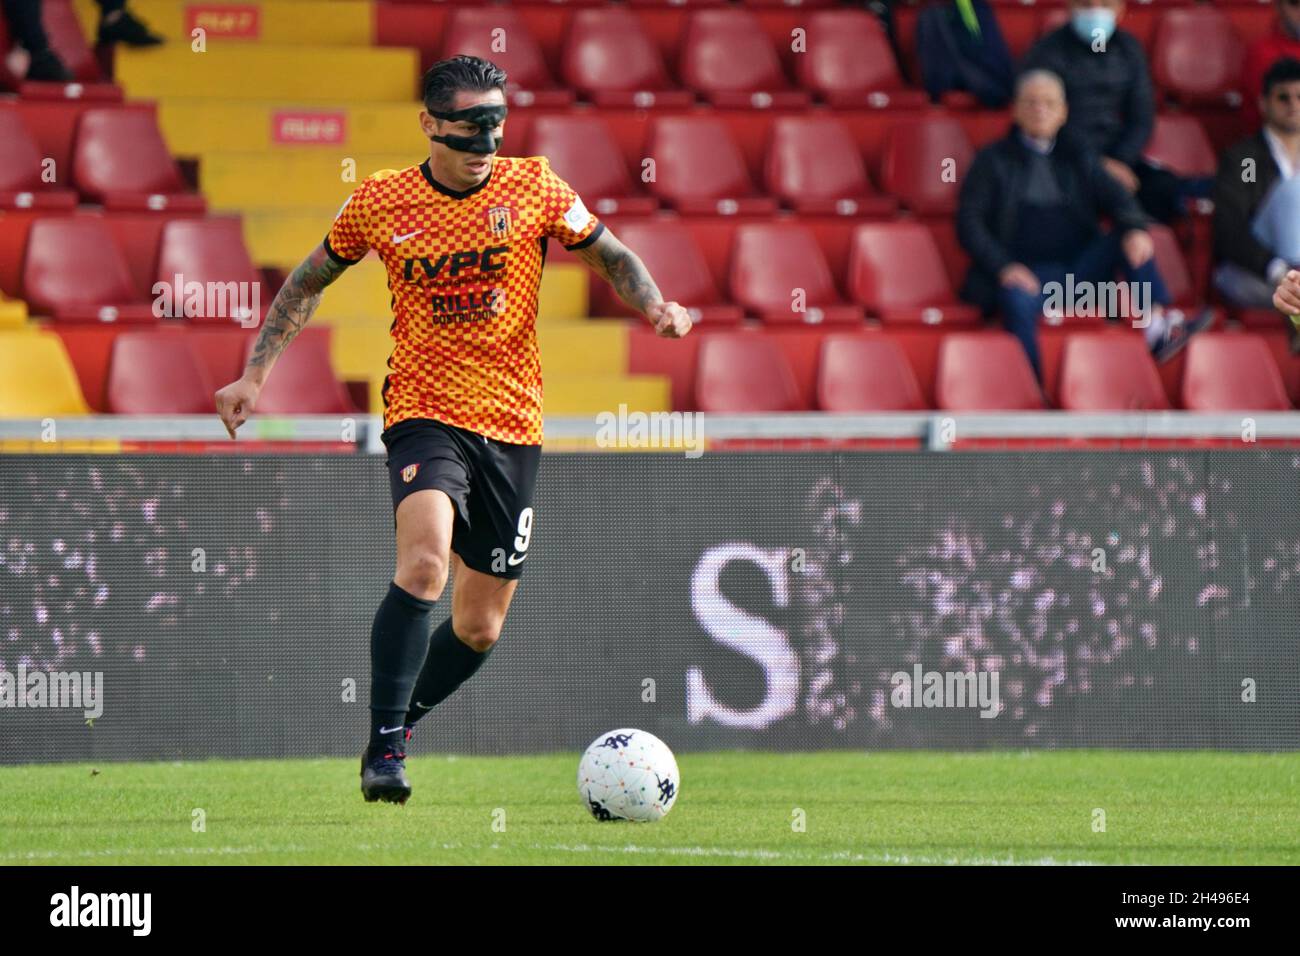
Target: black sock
450	663
399	641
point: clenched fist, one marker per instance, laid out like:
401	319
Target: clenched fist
670	320
1287	297
235	403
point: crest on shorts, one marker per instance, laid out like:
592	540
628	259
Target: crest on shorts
501	219
408	473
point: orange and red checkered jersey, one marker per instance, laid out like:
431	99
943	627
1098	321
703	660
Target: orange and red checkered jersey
464	268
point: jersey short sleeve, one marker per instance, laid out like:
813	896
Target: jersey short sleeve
347	241
569	221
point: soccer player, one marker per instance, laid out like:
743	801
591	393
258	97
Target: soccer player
463	236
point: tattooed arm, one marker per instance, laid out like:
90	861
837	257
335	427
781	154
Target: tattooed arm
626	273
292	308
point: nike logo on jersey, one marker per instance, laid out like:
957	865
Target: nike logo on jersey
511	560
389	730
424	706
410	235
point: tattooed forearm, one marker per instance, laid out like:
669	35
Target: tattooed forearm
621	268
293	306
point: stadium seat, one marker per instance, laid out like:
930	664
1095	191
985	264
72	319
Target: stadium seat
1228	372
744	372
303	380
1178	143
157	373
727	57
1108	371
120	159
896	272
985	371
814	166
778	266
472	31
75	272
212	252
1197	56
923	162
36	376
610	59
584	154
67	40
672	255
20	170
849	63
866	373
1173	267
699	169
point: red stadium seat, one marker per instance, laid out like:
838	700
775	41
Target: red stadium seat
866	373
1103	372
923	163
1178	143
157	373
727	57
849	63
303	382
75	272
744	372
895	270
120	159
611	59
672	255
20	170
472	31
778	266
211	252
814	166
985	371
699	169
1173	267
67	40
1228	372
584	154
1197	56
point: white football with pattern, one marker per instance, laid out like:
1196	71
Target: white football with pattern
628	774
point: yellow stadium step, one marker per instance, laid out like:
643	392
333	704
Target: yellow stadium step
575	394
583	348
316	22
317	180
306	74
563	294
36	376
202	127
13	315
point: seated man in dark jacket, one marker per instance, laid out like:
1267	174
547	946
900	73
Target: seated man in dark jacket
1028	218
1257	197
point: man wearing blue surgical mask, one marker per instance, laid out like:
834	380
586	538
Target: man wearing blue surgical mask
1110	95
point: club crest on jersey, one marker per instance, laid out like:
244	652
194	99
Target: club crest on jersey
408	473
501	219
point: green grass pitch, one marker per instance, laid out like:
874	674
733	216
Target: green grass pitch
734	807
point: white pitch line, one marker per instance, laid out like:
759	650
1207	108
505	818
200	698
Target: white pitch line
837	856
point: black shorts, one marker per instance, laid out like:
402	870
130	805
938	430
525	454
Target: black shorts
490	482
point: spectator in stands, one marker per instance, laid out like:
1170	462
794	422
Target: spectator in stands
116	25
1028	216
1264	52
1257	197
960	47
1111	99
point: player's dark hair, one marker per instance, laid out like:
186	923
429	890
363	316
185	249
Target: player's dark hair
448	77
1285	70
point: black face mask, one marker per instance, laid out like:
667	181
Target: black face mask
486	140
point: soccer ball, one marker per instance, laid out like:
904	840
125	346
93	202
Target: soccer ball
628	775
